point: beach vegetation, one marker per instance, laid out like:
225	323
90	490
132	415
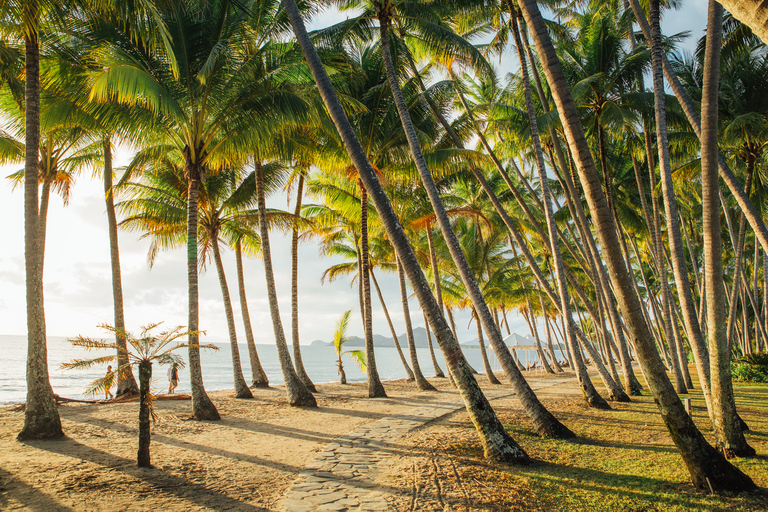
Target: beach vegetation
339	338
141	352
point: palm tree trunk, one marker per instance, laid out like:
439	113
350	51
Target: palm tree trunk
590	393
481	343
258	375
408	370
730	438
126	383
297	361
497	443
677	255
42	220
375	387
705	464
553	241
298	394
438	295
202	407
41	417
241	387
543	420
145	432
737	271
423	383
438	371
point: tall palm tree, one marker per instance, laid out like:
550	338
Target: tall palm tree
210	96
497	443
225	213
41	418
730	438
705	464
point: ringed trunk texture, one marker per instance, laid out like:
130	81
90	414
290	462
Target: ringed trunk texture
481	343
497	443
145	376
705	464
202	407
297	361
422	382
375	387
728	432
41	417
241	387
126	383
298	394
259	377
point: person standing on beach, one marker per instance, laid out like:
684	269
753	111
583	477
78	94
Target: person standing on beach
108	380
173	377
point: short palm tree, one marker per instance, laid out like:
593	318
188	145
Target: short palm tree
339	338
141	351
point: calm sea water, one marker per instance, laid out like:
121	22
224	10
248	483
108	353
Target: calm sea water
319	362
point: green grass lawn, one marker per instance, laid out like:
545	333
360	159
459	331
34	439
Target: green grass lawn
623	459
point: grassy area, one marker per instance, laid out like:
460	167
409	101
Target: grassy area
623	460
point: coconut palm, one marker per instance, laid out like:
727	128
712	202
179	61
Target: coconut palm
497	444
142	351
705	464
211	92
339	338
225	212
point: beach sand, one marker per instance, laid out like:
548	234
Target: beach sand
246	461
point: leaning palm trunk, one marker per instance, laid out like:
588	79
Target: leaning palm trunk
438	295
423	383
730	438
553	241
298	363
202	407
590	393
673	227
705	464
145	376
126	383
438	371
408	370
241	387
497	443
41	418
298	394
543	420
375	387
258	375
483	354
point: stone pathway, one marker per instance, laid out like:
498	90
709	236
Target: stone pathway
342	477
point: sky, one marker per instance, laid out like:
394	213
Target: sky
77	279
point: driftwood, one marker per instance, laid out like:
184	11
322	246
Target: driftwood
117	400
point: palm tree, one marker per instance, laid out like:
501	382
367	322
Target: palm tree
211	98
730	438
497	443
339	338
225	212
705	464
144	350
41	418
298	394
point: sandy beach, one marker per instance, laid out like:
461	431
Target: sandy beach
246	461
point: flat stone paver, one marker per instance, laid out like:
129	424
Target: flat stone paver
342	476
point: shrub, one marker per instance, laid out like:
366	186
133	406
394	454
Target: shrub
751	368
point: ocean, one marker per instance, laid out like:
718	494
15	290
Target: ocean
319	361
